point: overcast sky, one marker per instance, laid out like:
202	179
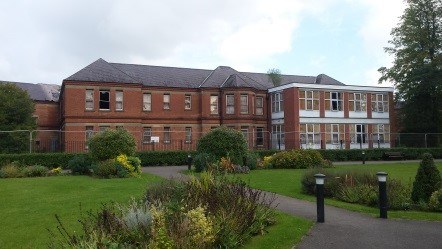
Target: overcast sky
46	41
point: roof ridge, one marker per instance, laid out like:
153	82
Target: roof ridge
144	65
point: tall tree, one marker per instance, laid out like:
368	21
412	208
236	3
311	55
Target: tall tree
275	76
417	68
16	109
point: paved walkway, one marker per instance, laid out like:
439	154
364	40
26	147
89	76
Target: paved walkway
346	229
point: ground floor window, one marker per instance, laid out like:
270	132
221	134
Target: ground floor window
334	133
278	135
381	133
358	133
259	136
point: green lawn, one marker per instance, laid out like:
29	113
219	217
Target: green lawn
288	182
28	205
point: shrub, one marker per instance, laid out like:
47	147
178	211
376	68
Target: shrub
128	166
106	169
251	160
55	171
435	203
10	171
202	161
427	180
223	142
50	160
296	159
109	144
80	165
35	171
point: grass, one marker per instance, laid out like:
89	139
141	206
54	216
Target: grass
288	182
288	231
29	205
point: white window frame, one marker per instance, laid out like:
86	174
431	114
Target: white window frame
119	100
147	102
188	135
358	136
278	134
89	98
187	102
230	104
147	135
244	107
214	104
311	136
335	133
362	102
337	99
259	105
277	102
104	101
166	101
380	104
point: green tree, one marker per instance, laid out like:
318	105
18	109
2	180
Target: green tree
109	144
275	76
417	68
427	180
16	109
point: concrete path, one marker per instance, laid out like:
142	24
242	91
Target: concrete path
346	229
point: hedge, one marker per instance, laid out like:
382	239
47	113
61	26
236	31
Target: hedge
163	158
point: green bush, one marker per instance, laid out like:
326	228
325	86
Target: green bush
224	142
80	165
109	144
106	169
435	203
50	160
11	170
376	154
164	158
427	180
251	160
35	171
297	159
202	161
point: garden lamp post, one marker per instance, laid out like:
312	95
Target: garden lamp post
363	157
382	179
189	162
320	197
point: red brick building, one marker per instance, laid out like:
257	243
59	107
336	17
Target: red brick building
169	108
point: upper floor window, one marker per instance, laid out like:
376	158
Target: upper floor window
104	100
230	104
147	134
166	101
104	127
147	102
119	100
277	102
309	100
187	102
244	104
333	101
188	138
89	100
357	102
379	102
214	104
259	105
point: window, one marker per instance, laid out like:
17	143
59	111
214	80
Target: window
379	102
259	136
259	105
334	133
187	102
358	133
147	134
166	135
244	104
89	100
103	128
214	104
334	101
188	138
104	100
166	101
357	102
230	104
310	134
147	102
309	100
89	133
278	136
119	100
381	133
245	132
119	127
277	102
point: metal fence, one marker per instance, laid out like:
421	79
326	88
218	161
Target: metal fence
42	141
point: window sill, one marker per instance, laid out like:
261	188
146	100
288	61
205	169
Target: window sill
104	110
89	110
119	110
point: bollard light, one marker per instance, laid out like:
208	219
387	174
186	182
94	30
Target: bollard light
320	197
382	180
189	162
363	157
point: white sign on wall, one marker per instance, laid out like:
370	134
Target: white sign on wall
154	139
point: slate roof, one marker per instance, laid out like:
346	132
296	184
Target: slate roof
222	76
39	92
